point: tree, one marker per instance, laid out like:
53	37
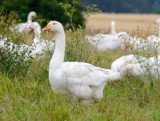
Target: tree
48	10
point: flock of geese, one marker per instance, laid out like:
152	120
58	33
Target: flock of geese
38	47
83	81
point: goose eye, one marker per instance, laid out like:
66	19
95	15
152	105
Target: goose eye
54	23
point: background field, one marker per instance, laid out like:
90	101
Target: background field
124	22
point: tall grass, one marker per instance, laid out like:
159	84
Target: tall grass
30	97
12	61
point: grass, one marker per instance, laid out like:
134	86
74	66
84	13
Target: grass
32	100
31	97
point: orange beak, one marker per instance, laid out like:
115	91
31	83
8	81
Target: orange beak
48	27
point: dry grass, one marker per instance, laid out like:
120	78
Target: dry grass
132	23
141	24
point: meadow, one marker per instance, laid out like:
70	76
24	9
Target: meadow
132	23
31	98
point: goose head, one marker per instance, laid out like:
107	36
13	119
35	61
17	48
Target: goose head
33	14
54	26
123	35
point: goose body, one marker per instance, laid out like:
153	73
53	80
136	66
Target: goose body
149	67
119	63
38	48
104	42
79	80
25	28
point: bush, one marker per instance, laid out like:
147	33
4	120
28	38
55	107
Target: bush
14	60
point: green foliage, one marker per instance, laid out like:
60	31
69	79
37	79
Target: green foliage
6	21
76	45
92	8
12	62
48	10
30	99
14	59
78	49
70	11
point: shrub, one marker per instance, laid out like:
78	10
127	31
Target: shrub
14	59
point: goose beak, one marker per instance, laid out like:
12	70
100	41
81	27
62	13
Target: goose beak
48	27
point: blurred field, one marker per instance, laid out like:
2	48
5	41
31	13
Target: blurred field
132	23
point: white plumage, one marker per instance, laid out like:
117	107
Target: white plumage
119	63
39	46
25	28
108	42
113	28
78	80
152	43
148	68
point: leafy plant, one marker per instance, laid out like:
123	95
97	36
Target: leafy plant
70	11
14	57
47	10
14	60
92	9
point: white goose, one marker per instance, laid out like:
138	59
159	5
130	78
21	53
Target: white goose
108	42
113	29
154	40
25	28
78	80
150	67
39	46
119	63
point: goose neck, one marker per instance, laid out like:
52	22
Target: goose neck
37	36
159	30
113	31
29	18
59	52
